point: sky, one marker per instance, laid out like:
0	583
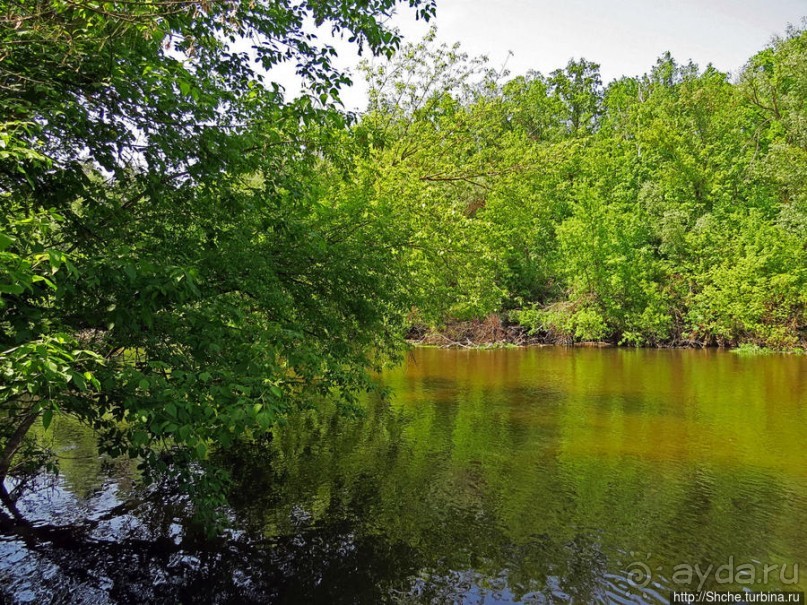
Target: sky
624	36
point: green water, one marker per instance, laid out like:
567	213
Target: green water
534	475
556	472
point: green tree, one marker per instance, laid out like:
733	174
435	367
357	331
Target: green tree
660	209
579	88
432	161
176	269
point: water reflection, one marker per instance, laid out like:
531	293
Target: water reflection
536	475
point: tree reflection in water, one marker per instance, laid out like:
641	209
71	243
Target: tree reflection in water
490	477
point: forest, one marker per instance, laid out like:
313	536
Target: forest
188	255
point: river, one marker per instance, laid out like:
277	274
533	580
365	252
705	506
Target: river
537	475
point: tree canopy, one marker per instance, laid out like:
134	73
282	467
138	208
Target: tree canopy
656	210
175	269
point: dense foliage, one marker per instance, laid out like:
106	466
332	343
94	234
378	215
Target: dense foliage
664	209
175	268
185	255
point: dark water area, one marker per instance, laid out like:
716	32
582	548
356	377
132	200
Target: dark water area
542	475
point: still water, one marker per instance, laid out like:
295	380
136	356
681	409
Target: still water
540	475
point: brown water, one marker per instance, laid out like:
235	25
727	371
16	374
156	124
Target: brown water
521	475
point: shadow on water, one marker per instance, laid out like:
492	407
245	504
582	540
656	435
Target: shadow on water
534	476
119	558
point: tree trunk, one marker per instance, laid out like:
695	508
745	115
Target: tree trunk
12	445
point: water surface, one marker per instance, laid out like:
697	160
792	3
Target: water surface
535	475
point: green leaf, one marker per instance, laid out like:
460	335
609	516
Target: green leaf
47	417
5	241
184	432
78	380
55	259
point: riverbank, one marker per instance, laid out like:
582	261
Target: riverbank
493	331
497	331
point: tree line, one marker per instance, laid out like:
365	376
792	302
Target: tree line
666	209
